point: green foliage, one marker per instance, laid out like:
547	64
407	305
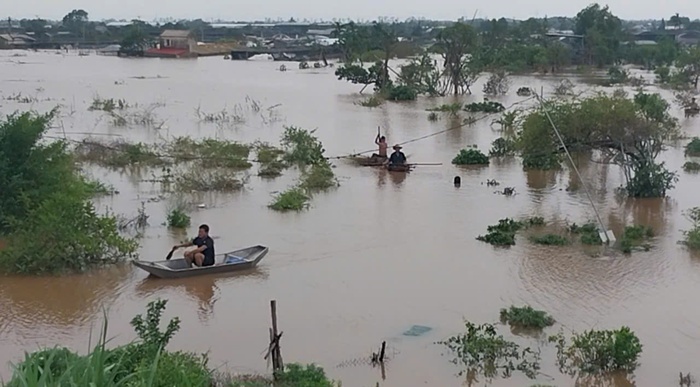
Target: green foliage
178	218
598	351
497	84
640	127
470	156
302	147
692	236
602	33
589	234
485	107
401	93
108	105
293	199
306	151
452	109
691	166
502	147
693	147
526	317
318	177
617	75
503	233
117	154
635	237
63	233
483	351
270	159
550	239
372	101
210	153
144	363
304	376
197	179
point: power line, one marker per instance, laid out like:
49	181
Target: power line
466	123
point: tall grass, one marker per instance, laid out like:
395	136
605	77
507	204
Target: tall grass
144	363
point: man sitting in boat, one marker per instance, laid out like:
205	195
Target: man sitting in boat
397	158
383	146
204	254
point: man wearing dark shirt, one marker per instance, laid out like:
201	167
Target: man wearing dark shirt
397	158
204	254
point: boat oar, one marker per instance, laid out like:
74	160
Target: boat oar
170	254
425	164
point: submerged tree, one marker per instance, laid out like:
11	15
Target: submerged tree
457	44
378	41
602	34
629	132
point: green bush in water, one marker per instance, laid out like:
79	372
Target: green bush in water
693	147
293	199
691	166
470	157
46	215
501	234
177	218
526	317
598	351
635	237
588	232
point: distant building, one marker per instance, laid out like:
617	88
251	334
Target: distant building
689	38
174	44
12	41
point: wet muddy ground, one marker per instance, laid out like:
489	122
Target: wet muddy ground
381	253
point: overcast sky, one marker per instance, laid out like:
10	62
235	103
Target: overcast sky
329	9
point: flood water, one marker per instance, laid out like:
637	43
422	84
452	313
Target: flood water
368	260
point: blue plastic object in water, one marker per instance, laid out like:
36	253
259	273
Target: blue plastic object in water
417	330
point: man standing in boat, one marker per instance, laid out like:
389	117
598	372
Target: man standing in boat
397	158
204	254
383	146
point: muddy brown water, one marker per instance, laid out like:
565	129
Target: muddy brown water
369	260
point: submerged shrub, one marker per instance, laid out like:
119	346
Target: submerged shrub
691	166
483	351
526	317
598	351
293	199
692	236
501	234
501	147
318	177
693	147
470	157
588	233
635	237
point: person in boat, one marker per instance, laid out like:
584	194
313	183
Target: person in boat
397	158
203	254
383	146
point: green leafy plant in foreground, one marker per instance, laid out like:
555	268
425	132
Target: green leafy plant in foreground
470	157
598	351
483	351
526	317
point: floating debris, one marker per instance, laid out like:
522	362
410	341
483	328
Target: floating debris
417	330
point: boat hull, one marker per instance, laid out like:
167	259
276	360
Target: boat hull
371	161
399	168
238	260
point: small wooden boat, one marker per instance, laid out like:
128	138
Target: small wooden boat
399	168
238	260
370	161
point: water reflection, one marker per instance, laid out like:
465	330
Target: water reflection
26	302
204	290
